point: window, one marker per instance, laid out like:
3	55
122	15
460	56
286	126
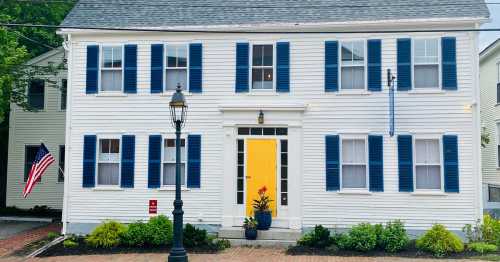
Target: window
427	164
36	94
493	193
498	83
498	144
29	156
64	92
111	73
262	67
426	63
108	172
60	171
353	65
168	178
354	163
284	172
176	69
240	179
266	131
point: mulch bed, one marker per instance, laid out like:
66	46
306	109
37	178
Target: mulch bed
410	252
83	249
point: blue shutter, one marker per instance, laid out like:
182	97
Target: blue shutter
194	161
130	78
405	163
376	163
154	161
331	66
404	64
195	68
282	67
156	68
449	63
128	159
92	69
375	65
89	159
450	156
242	67
332	162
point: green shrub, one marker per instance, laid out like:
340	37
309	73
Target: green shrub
440	242
482	247
160	231
363	237
488	231
393	237
318	238
195	237
222	244
52	235
106	235
68	243
379	228
137	234
343	241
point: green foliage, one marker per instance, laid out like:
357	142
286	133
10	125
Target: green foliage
317	238
343	241
393	237
195	237
250	223
440	242
52	235
106	235
482	247
262	204
68	243
137	234
363	237
160	231
488	231
222	244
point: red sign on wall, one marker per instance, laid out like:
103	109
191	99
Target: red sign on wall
153	206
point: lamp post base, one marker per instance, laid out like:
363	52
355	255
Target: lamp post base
177	255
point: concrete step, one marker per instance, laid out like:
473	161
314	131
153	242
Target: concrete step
271	234
261	243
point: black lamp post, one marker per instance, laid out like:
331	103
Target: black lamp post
178	110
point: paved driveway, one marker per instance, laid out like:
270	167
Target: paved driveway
11	228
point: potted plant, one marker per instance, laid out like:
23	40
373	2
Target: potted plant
250	225
262	212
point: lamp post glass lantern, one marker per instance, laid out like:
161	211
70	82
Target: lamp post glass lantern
178	110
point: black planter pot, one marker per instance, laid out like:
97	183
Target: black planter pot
264	219
251	233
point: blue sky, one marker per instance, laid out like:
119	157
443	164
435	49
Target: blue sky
485	38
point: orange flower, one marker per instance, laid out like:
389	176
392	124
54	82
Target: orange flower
262	190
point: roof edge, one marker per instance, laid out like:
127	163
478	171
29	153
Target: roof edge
44	56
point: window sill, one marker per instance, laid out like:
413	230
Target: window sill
169	93
353	93
355	192
270	92
108	188
172	188
426	91
111	94
429	193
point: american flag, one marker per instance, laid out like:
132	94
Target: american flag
42	161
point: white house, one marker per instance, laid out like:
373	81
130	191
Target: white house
323	150
490	117
28	128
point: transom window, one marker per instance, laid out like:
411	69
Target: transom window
353	65
168	177
108	170
354	173
427	164
111	72
493	193
259	131
262	67
426	63
36	94
176	69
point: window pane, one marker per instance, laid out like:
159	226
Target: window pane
426	76
269	131
115	146
60	172
171	56
353	151
426	51
64	92
268	79
107	56
428	177
268	55
104	145
281	131
176	76
353	77
182	56
169	174
346	52
117	57
419	49
111	80
353	53
243	131
257	55
257	78
427	151
256	131
353	176
36	93
108	174
358	51
169	150
493	194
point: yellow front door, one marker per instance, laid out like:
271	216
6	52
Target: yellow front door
261	171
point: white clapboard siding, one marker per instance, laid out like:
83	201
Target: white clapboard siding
29	128
143	114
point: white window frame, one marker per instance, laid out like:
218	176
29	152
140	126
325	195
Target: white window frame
61	93
164	138
353	137
413	64
251	45
27	92
165	66
441	164
365	65
98	146
102	68
488	193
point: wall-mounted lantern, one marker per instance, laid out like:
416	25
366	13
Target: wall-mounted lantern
260	119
